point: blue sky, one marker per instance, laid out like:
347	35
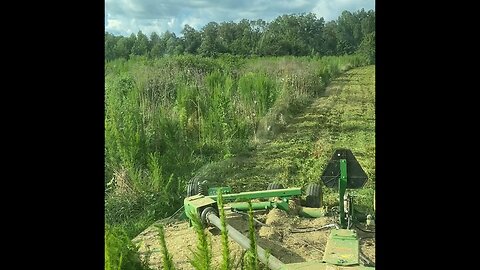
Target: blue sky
123	17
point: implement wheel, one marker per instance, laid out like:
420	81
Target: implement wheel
274	186
314	195
194	187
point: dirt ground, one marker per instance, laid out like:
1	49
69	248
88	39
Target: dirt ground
276	237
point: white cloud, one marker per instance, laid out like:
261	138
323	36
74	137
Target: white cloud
171	22
331	9
115	24
194	22
324	9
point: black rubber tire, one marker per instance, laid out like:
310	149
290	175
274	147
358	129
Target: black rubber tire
314	195
274	186
194	188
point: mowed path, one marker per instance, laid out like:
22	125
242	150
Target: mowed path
343	117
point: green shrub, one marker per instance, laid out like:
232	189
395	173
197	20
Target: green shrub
120	252
202	256
166	257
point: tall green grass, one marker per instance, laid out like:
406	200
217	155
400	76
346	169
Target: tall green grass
166	257
251	256
120	252
202	256
165	118
226	259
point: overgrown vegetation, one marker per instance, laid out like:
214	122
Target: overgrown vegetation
226	259
166	118
120	252
251	256
167	261
202	255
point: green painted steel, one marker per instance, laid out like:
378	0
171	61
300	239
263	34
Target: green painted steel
311	212
342	248
319	265
243	206
195	204
213	191
283	205
342	187
243	196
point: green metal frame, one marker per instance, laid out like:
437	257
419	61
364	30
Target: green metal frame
285	193
319	265
342	248
243	206
195	205
311	212
342	187
213	191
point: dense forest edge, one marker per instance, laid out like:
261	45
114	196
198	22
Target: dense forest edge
174	104
294	34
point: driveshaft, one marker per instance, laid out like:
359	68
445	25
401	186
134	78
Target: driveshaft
272	262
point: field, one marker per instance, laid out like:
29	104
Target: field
342	117
170	119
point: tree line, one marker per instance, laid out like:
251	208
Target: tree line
296	34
